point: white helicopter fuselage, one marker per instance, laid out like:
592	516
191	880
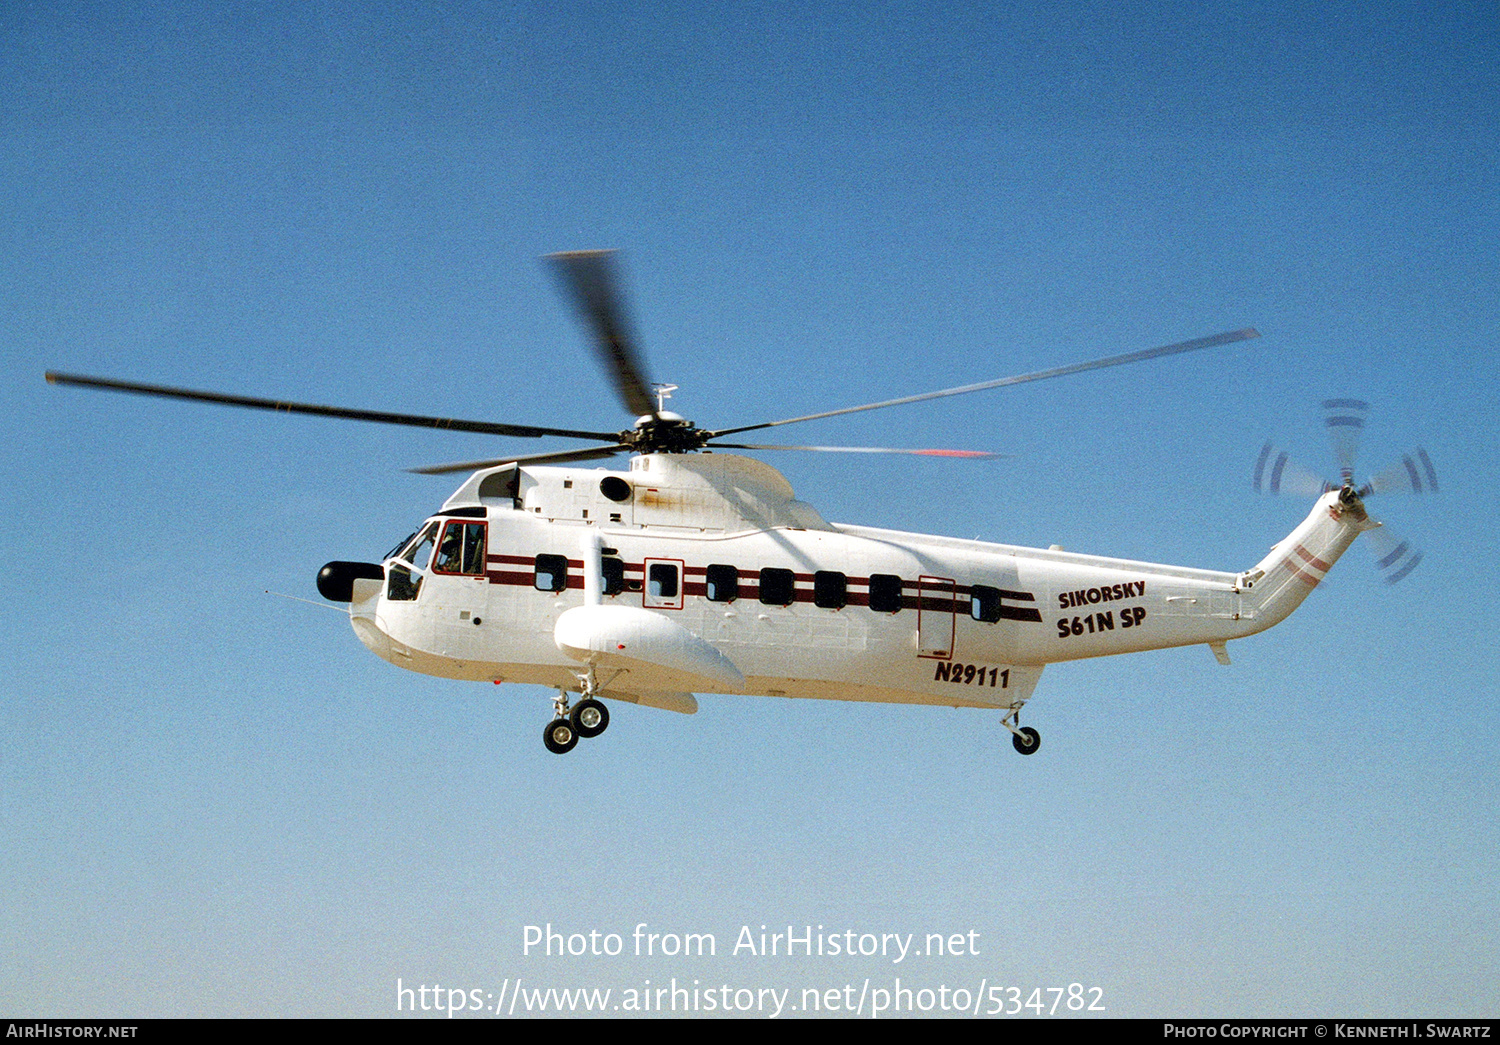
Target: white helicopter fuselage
702	573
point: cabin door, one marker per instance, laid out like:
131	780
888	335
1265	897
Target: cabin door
937	599
456	589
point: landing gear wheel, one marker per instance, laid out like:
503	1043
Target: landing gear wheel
590	718
560	736
1026	740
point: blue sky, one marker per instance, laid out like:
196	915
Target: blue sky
217	802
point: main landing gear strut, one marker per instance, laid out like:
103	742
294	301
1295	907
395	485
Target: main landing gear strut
1025	739
587	719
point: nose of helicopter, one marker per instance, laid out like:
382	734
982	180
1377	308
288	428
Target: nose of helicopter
375	640
359	584
363	604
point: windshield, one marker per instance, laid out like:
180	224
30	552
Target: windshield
417	548
402	543
403	583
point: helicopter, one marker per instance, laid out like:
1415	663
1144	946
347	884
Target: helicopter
691	570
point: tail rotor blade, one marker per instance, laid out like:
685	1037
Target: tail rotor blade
1345	419
1393	555
1414	473
1277	473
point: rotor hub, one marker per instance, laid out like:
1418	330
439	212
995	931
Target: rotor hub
1351	501
666	433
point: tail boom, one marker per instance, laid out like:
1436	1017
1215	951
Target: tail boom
1299	562
1145	606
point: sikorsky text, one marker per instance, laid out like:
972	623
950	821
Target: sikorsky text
1104	593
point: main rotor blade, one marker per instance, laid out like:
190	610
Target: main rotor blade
377	416
856	450
1041	375
589	276
590	453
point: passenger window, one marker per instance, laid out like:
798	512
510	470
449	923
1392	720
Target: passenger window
984	603
661	581
461	550
830	590
722	583
777	586
885	593
551	572
613	571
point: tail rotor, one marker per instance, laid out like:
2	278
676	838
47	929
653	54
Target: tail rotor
1277	473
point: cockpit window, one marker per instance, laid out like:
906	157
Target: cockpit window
403	584
461	550
402	543
419	549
